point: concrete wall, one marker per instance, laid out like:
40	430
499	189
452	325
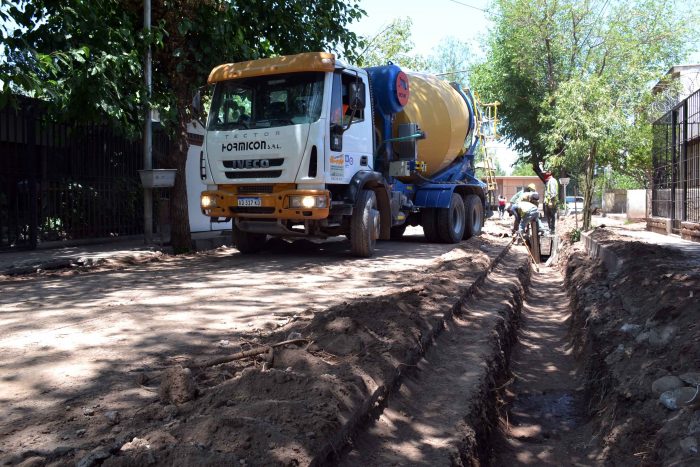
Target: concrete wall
615	201
632	202
636	204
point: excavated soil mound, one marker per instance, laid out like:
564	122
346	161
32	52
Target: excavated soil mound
638	332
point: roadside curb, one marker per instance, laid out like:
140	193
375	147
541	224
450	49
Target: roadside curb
596	250
47	260
27	267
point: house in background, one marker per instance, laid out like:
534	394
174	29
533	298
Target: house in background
677	84
509	185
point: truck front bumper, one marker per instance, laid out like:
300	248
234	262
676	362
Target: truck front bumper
277	202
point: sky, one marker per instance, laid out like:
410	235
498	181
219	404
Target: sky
434	20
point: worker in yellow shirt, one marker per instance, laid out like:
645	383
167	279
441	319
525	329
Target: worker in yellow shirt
528	212
512	209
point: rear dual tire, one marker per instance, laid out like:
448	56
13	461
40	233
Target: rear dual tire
450	222
474	212
463	219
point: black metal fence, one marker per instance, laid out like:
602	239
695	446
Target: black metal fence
676	159
63	181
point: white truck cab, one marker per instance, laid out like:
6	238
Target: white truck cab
280	133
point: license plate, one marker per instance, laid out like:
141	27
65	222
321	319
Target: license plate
249	202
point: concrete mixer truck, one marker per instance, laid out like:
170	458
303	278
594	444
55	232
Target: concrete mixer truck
308	146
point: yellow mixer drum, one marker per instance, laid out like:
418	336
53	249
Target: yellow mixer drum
442	114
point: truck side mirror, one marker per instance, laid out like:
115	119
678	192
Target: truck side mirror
356	94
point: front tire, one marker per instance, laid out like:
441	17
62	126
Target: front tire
364	225
247	242
475	216
451	221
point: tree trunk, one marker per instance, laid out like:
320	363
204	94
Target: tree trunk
588	194
180	235
536	168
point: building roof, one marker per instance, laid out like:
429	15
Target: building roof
520	177
674	72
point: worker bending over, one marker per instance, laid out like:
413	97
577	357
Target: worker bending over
528	212
513	206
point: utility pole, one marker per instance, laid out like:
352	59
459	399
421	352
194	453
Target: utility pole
147	130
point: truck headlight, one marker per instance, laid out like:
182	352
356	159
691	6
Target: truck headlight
307	202
208	201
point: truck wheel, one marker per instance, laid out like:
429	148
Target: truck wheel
397	231
475	216
364	225
428	222
450	221
247	242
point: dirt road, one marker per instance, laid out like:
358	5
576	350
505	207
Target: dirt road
69	341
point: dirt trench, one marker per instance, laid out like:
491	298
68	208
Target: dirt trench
571	375
500	386
607	367
544	416
444	412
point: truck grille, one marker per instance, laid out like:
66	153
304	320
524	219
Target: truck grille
254	174
247	189
273	163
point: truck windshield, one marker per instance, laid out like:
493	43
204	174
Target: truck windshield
266	101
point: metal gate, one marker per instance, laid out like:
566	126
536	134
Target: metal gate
676	160
66	181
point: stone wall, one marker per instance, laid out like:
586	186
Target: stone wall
690	231
659	225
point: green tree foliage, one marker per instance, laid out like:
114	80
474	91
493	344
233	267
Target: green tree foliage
451	58
82	58
522	169
518	72
392	44
571	74
85	57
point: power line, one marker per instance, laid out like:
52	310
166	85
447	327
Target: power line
451	73
469	6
